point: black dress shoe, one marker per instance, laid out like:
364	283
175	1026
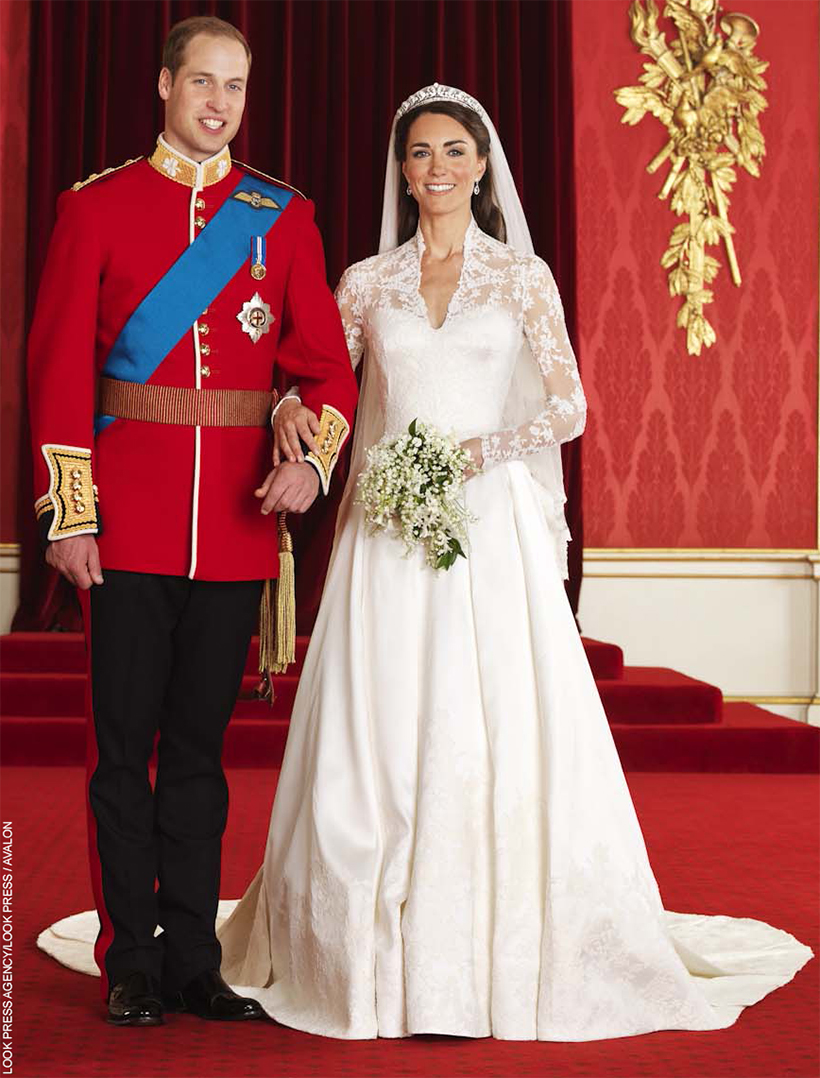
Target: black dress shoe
135	1001
207	996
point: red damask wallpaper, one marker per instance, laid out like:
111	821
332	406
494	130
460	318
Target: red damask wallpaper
718	450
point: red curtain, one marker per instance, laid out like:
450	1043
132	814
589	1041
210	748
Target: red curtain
327	76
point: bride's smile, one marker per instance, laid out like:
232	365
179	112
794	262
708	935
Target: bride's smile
442	166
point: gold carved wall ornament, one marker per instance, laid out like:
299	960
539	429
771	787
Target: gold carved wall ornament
705	87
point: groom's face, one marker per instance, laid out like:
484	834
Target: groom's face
205	99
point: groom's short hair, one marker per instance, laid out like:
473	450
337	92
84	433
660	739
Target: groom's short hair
173	51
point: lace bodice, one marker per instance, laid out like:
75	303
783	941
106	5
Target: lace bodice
457	377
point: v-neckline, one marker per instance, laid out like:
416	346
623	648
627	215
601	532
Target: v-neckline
421	247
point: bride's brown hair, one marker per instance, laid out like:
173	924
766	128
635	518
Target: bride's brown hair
488	216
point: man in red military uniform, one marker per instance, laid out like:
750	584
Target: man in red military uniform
178	282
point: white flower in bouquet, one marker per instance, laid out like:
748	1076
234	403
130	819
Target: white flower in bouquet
414	485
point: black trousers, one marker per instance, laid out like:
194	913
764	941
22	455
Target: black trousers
167	657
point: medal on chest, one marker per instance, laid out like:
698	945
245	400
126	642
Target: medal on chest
255	317
258	251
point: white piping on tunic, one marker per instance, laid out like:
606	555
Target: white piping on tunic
198	377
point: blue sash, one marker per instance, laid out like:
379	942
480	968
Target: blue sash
199	274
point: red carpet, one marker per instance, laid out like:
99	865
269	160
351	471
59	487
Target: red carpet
745	845
661	720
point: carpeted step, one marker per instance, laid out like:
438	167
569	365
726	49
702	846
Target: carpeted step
36	693
248	740
661	720
44	674
654	695
642	695
56	653
252	663
47	652
48	740
60	741
748	739
605	660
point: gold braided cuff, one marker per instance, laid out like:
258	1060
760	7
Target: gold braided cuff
71	495
332	435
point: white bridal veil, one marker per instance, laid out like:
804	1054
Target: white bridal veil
525	397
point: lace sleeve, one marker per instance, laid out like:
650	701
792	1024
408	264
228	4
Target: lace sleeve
351	307
564	413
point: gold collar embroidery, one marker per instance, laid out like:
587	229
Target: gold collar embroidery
181	169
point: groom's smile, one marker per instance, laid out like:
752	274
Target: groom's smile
205	97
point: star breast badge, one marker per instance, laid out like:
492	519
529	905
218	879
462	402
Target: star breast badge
255	317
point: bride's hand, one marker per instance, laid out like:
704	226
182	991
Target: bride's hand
292	422
473	447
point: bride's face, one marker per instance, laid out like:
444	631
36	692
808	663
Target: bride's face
442	164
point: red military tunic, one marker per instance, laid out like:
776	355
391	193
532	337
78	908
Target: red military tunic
173	499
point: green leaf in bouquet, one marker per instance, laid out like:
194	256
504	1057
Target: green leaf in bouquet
448	559
411	430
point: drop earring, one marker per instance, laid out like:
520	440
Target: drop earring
409	189
476	189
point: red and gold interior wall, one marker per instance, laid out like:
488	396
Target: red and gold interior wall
712	452
720	450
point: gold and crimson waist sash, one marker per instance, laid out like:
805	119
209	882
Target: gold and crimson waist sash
185	407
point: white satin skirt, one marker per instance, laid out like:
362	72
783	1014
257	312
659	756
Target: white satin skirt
453	848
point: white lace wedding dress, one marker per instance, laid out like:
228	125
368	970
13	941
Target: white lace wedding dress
453	848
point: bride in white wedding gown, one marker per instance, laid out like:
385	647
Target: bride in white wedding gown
453	848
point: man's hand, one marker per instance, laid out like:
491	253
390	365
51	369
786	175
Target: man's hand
289	488
78	559
292	422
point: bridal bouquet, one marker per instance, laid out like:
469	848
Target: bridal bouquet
414	484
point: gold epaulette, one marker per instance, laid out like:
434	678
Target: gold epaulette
105	172
270	179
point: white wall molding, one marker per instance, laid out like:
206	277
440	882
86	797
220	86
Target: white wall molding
9	583
745	620
813	710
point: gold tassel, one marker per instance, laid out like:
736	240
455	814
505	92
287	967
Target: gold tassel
277	616
285	651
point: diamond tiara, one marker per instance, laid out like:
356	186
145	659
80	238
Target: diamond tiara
437	92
